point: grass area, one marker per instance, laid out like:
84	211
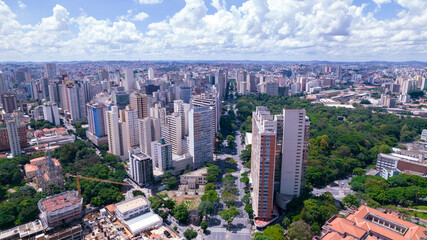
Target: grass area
420	207
419	214
193	204
162	195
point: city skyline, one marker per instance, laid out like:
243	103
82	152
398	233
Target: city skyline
349	31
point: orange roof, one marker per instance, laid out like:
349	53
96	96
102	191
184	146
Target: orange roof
342	225
56	162
111	208
30	168
36	160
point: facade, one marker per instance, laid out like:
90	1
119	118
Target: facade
185	93
13	135
131	208
4	138
174	122
368	223
60	208
8	100
51	71
44	171
97	116
149	131
117	134
200	135
120	98
141	167
129	81
51	113
194	179
131	125
139	102
161	153
391	164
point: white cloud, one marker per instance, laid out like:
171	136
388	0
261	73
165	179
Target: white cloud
258	29
149	1
21	5
140	16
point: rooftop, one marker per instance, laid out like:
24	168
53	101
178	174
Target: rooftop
198	172
22	230
59	201
144	221
131	204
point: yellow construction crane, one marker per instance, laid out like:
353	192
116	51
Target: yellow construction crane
77	177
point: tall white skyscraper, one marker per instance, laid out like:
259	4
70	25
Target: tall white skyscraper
129	82
408	86
51	113
51	71
131	124
182	108
200	135
12	124
161	153
117	134
150	73
149	131
175	132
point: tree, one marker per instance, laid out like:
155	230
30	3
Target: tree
229	198
229	214
231	142
190	234
249	210
170	204
209	187
246	198
416	93
181	212
205	208
204	225
245	180
359	171
350	200
364	101
155	203
170	183
137	193
211	196
299	230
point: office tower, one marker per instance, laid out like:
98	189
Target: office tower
12	124
131	123
264	130
139	102
51	71
185	93
243	88
150	73
129	82
96	116
120	98
214	106
296	132
149	131
44	85
241	77
221	81
22	76
3	87
141	167
200	135
117	134
51	113
158	112
117	77
8	100
182	108
174	122
104	75
73	102
279	158
269	87
161	153
423	83
251	83
53	90
408	86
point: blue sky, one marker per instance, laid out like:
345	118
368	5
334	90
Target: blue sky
359	30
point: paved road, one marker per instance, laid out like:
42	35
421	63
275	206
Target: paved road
339	189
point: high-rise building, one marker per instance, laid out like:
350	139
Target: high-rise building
161	153
182	108
51	113
131	124
3	87
117	77
129	82
200	135
149	131
150	73
97	116
53	90
141	167
185	93
408	86
279	158
8	100
60	208
12	125
120	98
139	102
251	83
174	122
104	75
241	77
51	71
215	107
117	134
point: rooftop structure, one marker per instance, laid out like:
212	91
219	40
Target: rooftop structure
60	208
368	223
132	208
44	171
23	231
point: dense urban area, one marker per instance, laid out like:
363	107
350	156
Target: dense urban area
213	150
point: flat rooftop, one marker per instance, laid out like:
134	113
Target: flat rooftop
131	204
198	172
59	201
23	230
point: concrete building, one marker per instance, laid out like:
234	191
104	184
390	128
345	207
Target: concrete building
185	93
120	97
149	131
12	125
97	117
103	75
44	171
131	124
182	108
60	208
4	137
174	122
131	208
195	178
401	163
8	100
269	87
51	71
129	81
368	223
161	153
117	135
251	83
150	73
141	167
214	105
182	163
51	113
139	102
200	135
408	86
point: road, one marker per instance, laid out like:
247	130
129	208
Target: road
339	189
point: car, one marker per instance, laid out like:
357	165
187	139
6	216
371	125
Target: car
167	234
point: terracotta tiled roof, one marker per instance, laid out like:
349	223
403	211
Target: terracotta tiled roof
30	168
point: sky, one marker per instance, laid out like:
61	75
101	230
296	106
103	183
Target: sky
280	30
